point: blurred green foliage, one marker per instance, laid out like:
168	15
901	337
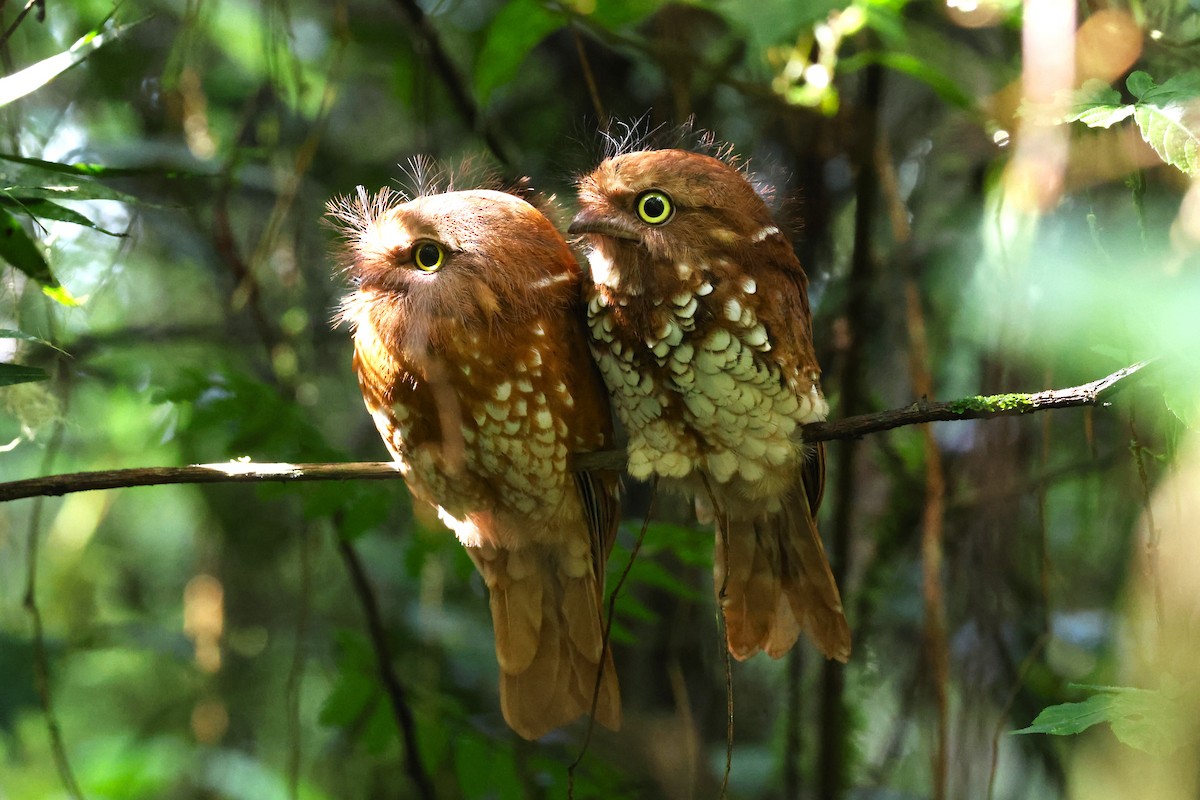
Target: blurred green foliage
167	295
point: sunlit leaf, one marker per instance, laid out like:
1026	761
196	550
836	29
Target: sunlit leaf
45	209
1099	116
60	295
515	31
35	77
1148	720
18	249
27	337
19	373
96	170
61	190
1171	130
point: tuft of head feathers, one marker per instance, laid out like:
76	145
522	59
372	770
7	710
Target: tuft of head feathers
620	137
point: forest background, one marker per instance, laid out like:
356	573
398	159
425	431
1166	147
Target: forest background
989	197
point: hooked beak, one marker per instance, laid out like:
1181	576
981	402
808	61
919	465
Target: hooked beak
601	224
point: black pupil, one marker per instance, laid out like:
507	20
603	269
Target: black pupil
427	255
654	206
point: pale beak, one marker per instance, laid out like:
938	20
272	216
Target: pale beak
597	222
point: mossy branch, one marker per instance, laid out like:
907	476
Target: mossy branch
1095	393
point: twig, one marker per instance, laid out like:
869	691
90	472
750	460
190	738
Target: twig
931	546
41	16
232	472
1150	545
723	541
831	710
589	78
391	682
1002	720
41	661
296	671
1088	394
460	96
612	610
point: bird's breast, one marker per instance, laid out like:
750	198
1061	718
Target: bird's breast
481	429
697	382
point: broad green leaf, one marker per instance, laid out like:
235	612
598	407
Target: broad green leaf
19	373
24	187
1173	134
1183	88
515	31
19	250
1099	116
45	209
35	77
1148	720
1067	719
473	766
1139	83
651	573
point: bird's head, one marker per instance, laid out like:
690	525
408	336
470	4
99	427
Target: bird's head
646	210
439	266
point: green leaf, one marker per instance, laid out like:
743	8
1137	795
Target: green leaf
651	573
519	27
614	14
45	209
5	333
1148	720
35	77
1169	130
60	295
1139	83
19	250
1181	390
97	170
19	373
28	337
1181	87
1098	116
1067	719
941	83
26	188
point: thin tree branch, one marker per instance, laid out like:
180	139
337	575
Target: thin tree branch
460	95
41	659
391	682
1095	393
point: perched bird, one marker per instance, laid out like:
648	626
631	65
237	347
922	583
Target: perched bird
473	361
700	323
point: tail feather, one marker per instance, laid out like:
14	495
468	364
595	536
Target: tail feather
514	594
751	584
778	582
549	640
808	581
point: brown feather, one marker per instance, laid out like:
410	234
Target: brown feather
700	323
476	373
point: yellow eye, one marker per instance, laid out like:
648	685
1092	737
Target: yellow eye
654	207
428	256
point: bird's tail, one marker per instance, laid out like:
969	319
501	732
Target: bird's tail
549	631
777	582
